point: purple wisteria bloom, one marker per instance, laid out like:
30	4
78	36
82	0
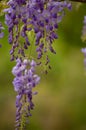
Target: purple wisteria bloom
83	37
84	52
16	19
1	33
25	80
38	16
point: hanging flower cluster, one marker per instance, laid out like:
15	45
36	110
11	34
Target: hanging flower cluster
25	80
41	17
26	20
1	32
83	37
37	20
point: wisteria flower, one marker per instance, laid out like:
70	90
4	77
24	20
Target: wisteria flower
38	16
24	82
83	37
1	33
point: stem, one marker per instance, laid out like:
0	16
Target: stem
82	1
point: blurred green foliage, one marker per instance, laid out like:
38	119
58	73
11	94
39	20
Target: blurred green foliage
61	100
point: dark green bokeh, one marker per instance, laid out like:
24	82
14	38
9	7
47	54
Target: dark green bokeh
61	100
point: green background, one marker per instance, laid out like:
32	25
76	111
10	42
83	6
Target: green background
61	100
